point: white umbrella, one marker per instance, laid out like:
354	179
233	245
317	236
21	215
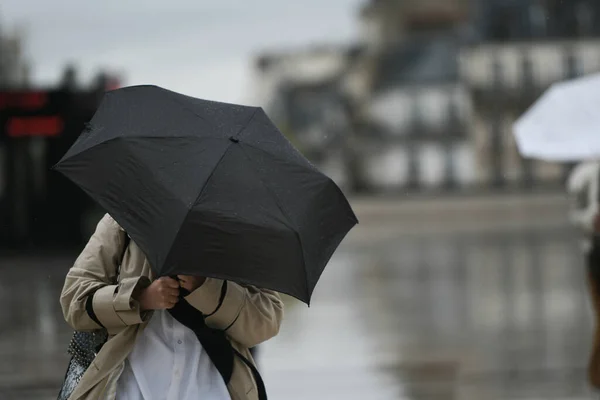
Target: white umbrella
564	124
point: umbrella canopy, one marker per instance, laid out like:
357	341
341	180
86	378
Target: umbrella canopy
211	189
564	124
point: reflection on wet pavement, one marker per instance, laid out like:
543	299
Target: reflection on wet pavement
488	309
487	316
33	336
482	314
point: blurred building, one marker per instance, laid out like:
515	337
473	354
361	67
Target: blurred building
427	97
523	20
37	126
415	111
307	94
385	114
14	72
386	22
14	69
522	47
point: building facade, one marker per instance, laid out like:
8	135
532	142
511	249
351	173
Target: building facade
521	49
308	95
427	97
416	109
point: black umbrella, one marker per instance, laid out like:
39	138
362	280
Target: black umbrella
211	189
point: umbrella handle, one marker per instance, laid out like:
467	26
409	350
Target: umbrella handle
183	292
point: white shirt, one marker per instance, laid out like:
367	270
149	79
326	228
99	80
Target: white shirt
169	363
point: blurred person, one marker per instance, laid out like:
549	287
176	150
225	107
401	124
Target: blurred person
159	345
583	187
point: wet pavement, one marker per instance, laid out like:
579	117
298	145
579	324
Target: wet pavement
449	299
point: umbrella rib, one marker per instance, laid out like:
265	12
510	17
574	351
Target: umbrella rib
284	213
175	100
198	197
126	138
211	175
243	128
209	179
310	165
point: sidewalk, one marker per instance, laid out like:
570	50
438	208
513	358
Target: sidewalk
384	218
326	351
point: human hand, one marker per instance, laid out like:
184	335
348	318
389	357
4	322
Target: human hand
162	294
190	282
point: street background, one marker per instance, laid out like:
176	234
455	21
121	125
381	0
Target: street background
463	280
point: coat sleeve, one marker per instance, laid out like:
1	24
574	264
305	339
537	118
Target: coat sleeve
249	315
90	299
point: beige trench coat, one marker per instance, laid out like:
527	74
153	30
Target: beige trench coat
249	315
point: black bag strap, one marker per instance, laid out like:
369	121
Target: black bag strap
260	385
215	343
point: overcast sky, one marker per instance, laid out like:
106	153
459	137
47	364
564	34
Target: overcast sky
199	47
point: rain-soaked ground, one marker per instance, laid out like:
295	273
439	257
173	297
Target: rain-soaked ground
449	299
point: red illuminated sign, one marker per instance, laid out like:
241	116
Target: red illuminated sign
46	126
23	100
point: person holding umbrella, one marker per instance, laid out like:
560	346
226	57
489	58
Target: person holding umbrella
562	126
583	187
156	349
211	213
